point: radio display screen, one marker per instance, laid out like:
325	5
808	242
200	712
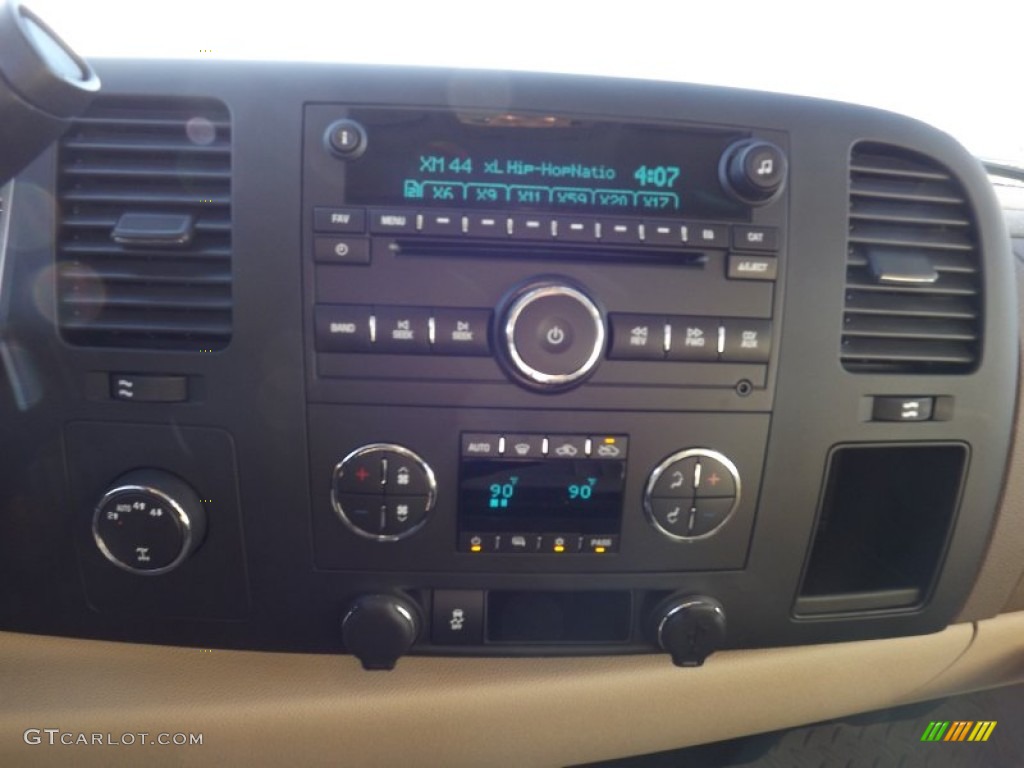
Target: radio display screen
537	163
548	495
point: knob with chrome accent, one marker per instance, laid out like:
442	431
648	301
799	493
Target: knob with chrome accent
753	171
380	629
691	494
689	627
552	335
149	522
383	491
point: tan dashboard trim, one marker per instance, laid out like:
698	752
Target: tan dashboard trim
291	709
999	585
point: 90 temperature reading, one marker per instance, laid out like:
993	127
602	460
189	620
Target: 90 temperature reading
502	493
661	176
583	491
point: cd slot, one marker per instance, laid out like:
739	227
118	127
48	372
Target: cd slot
438	248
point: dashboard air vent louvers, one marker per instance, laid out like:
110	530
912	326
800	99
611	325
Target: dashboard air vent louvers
913	271
144	230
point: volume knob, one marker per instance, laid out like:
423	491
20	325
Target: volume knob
553	335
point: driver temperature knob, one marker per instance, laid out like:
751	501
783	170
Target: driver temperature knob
690	628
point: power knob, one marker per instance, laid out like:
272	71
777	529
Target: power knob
689	627
149	522
753	171
552	335
380	629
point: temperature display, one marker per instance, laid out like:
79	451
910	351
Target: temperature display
583	496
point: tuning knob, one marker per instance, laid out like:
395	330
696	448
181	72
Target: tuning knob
690	628
753	171
380	629
149	522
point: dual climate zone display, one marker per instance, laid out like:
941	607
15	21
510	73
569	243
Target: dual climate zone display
578	496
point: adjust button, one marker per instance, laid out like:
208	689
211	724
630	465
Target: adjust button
458	617
747	341
462	331
403	329
146	388
403	513
693	338
742	267
714	479
343	328
476	445
709	514
637	337
442	224
627	232
348	220
707	235
902	408
403	476
567	447
363	473
530	227
486	225
342	250
392	222
677	481
524	446
363	512
755	238
663	232
673	516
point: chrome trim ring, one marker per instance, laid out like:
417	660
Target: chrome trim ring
381	448
668	462
184	522
528	371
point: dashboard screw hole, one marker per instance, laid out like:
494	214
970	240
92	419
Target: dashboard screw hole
744	388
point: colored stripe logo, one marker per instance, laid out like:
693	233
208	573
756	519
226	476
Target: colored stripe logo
959	730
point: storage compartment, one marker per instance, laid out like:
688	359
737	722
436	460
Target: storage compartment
558	617
882	529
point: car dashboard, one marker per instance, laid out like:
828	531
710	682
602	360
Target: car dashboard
318	369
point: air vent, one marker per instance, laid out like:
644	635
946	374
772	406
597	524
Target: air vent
913	274
144	236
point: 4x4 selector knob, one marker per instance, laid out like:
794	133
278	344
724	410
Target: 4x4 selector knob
753	171
552	335
149	522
